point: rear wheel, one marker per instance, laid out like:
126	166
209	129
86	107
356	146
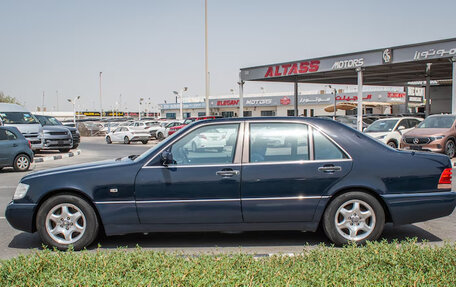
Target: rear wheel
160	136
108	140
354	217
450	148
65	220
21	163
145	141
126	140
392	144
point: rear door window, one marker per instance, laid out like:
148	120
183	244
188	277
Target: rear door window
276	142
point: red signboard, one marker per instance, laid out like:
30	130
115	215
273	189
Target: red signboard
285	101
292	69
228	103
396	95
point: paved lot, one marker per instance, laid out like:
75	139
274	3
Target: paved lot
13	242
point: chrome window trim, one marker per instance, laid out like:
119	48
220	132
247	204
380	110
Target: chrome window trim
195	165
241	124
296	162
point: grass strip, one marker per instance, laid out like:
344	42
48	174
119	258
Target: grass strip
375	264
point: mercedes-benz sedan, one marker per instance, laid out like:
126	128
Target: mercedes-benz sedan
270	174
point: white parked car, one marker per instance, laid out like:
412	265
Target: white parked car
127	135
162	132
390	130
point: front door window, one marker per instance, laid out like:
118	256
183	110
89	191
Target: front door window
213	144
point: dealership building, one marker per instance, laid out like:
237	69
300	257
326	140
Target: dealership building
317	103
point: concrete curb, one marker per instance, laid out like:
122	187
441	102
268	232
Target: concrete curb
56	157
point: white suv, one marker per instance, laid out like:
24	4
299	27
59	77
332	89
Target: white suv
390	130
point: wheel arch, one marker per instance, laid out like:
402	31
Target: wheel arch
67	191
388	217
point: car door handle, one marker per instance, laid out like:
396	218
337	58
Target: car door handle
15	145
227	173
329	168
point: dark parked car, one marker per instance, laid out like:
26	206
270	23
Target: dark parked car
52	121
15	150
270	174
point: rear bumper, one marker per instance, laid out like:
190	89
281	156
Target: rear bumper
417	207
20	215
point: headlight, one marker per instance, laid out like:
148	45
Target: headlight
437	138
21	191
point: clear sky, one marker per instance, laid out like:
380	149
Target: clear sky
150	48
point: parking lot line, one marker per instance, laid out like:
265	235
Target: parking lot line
7	187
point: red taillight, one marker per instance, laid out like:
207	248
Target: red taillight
445	179
30	144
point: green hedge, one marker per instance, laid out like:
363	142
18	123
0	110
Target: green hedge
376	264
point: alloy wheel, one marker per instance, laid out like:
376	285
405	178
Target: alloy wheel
22	162
65	223
355	220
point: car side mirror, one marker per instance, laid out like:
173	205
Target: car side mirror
167	158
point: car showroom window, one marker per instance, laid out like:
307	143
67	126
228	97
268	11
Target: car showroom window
212	144
273	142
324	149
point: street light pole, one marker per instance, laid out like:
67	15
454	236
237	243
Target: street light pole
74	108
139	114
101	103
181	103
206	59
335	102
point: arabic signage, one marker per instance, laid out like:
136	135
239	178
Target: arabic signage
318	99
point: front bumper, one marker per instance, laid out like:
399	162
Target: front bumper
56	143
417	207
433	146
20	216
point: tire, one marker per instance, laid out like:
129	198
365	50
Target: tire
82	230
160	136
145	141
64	150
108	140
356	229
392	144
450	148
126	140
21	162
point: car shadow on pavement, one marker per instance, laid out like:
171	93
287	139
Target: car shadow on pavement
213	240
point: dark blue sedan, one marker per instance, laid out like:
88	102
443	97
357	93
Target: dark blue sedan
236	175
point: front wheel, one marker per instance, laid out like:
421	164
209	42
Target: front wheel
450	148
354	217
21	163
65	220
145	141
160	136
126	140
108	140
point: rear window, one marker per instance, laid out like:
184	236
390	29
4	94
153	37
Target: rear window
17	118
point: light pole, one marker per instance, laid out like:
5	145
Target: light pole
181	96
335	102
206	59
139	114
101	103
74	108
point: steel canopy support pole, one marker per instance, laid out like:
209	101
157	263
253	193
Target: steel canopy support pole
359	119
296	99
428	90
453	88
241	97
406	104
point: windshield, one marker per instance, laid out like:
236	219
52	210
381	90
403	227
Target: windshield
437	122
381	126
18	118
